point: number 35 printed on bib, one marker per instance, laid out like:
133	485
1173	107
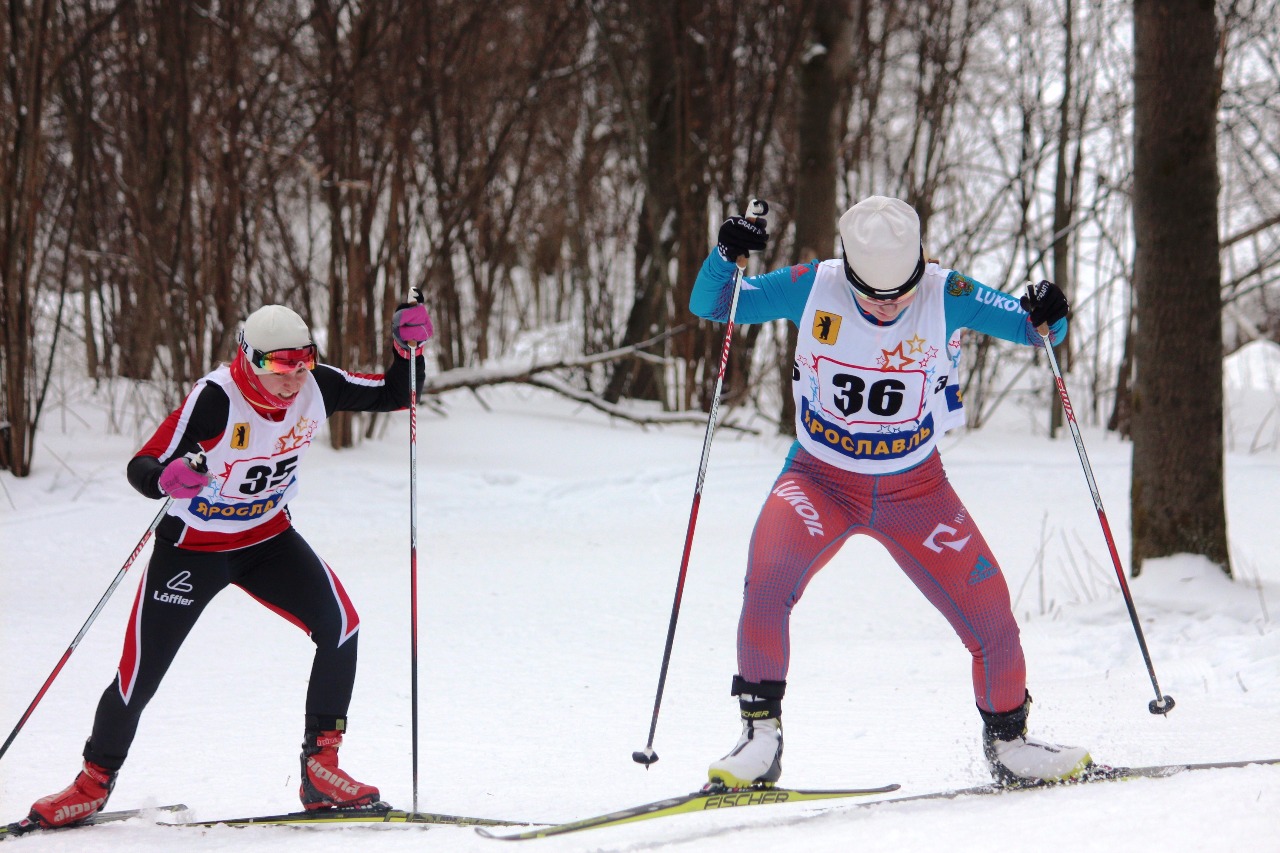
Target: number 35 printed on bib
249	478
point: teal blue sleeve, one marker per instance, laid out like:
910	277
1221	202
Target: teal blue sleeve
777	295
970	304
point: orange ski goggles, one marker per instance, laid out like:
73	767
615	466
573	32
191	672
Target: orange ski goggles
282	361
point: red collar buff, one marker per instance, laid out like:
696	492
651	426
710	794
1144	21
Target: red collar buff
266	403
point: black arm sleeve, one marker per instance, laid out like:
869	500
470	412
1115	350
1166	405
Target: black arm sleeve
144	475
368	392
198	423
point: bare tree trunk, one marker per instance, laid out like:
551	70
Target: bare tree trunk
28	34
633	377
699	349
824	77
662	129
1063	202
1177	498
350	146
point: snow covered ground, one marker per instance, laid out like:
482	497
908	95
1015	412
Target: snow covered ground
550	542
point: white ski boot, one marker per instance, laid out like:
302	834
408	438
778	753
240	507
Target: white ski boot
755	760
1017	760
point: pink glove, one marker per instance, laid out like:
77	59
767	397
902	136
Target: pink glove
180	480
411	323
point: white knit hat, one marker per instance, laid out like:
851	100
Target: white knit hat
274	327
882	251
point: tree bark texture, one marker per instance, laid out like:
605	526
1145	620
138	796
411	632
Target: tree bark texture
825	70
1177	499
22	170
669	71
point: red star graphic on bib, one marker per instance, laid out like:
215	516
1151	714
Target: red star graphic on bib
887	359
296	437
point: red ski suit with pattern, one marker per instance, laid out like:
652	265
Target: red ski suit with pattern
871	400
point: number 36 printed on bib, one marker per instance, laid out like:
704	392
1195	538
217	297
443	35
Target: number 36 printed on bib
867	395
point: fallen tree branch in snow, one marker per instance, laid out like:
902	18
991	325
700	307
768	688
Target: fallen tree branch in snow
538	375
469	377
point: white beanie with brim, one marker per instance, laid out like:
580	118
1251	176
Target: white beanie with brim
274	327
881	239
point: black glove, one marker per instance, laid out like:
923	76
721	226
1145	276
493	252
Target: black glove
740	237
1045	302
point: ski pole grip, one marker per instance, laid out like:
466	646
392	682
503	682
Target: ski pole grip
756	208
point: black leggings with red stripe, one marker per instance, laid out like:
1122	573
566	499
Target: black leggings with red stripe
283	573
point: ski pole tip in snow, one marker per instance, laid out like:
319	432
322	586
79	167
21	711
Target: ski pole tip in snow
1163	705
645	756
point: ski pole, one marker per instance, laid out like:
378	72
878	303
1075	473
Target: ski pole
647	756
414	349
197	463
1162	704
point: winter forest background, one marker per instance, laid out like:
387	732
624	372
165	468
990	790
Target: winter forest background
551	176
